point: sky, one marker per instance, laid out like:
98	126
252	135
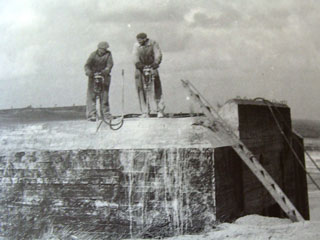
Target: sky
227	49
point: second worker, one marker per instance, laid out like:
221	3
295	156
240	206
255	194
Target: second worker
147	58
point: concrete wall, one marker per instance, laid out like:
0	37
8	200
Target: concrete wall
259	131
112	193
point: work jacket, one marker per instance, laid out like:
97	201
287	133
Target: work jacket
148	53
96	63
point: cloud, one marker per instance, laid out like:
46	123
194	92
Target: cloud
208	19
229	48
154	15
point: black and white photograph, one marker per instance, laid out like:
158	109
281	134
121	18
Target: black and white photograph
159	119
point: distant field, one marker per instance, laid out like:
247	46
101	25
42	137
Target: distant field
34	115
307	128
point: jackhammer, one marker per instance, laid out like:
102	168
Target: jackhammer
148	85
98	90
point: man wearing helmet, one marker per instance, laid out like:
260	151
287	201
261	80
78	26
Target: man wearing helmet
100	61
147	52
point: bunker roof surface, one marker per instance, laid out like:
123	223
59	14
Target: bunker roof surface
136	133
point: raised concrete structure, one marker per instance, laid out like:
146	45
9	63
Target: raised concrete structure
257	129
153	177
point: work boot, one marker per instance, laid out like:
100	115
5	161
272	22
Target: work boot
160	115
92	118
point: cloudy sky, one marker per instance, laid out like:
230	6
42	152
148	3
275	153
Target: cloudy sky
245	48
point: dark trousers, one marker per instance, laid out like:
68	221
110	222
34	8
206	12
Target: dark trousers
91	97
157	93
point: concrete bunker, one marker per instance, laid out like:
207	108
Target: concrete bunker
153	177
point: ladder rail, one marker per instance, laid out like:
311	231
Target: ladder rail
246	155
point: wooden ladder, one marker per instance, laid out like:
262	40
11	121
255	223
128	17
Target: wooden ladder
217	122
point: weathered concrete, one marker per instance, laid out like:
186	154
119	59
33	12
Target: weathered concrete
258	130
152	192
153	177
135	134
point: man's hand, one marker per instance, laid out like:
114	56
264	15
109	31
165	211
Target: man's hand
154	65
140	65
105	72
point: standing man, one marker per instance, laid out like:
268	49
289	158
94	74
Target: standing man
99	62
147	53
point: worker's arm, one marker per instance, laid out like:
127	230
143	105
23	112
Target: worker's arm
136	59
157	55
109	66
87	66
